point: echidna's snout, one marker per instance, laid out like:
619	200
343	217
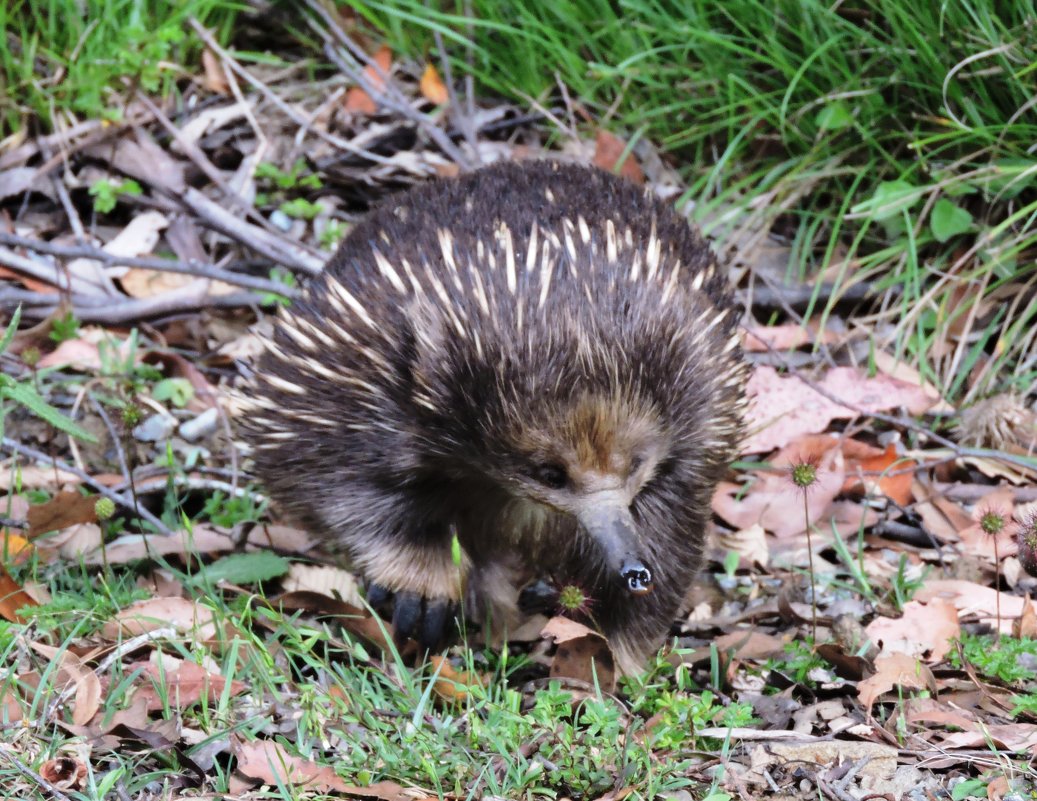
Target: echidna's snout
608	521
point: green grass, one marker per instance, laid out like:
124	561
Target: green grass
61	59
328	698
806	119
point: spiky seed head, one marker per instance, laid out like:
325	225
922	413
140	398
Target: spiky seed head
104	508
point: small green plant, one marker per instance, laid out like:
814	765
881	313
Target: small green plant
301	209
334	232
64	328
798	663
228	511
177	391
106	193
25	394
294	178
1025	705
284	277
1002	659
803	474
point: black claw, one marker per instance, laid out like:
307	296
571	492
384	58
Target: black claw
437	614
538	597
378	597
406	614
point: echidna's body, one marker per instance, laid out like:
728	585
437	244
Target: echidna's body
540	358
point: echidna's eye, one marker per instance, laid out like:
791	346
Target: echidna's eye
551	475
635	463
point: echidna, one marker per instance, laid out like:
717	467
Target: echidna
539	360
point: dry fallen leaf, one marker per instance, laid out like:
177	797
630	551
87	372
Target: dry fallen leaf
970	598
12	598
64	773
887	473
187	617
895	670
358	100
452	685
608	150
181	684
72	670
432	87
763	338
272	764
581	654
63	510
783	408
215	78
925	631
773	501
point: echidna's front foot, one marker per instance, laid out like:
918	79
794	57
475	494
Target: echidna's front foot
423	619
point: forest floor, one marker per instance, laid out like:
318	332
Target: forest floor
863	628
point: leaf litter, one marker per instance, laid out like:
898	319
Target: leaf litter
904	572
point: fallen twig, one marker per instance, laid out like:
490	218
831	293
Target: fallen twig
163	265
12	446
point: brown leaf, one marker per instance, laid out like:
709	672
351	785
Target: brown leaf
608	150
12	598
581	654
272	764
453	685
783	408
1026	624
774	501
977	599
749	644
874	472
432	87
763	338
72	670
63	510
65	773
925	631
358	100
183	684
895	670
187	617
215	77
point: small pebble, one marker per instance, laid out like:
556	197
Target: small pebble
280	220
200	426
155	428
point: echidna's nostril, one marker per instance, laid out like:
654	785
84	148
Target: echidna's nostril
638	578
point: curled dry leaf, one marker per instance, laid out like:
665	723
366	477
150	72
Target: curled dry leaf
581	653
72	670
925	631
334	582
63	510
763	338
64	773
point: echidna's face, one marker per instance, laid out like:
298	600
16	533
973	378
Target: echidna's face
591	458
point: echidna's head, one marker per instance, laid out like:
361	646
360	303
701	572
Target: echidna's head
591	457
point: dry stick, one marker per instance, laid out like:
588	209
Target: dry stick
387	95
111	312
461	119
63	195
49	275
161	265
275	248
281	105
126	503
